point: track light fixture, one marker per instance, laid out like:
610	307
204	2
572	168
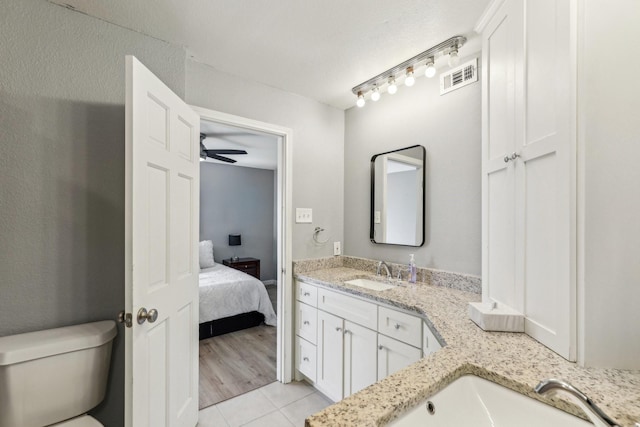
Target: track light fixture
430	69
453	57
409	80
387	79
392	88
375	95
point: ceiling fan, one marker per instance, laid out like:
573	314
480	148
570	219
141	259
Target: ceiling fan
216	153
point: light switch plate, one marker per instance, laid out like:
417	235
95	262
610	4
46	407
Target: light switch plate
337	250
304	215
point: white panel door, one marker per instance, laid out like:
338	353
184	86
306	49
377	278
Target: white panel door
500	63
329	359
360	362
544	215
394	355
161	258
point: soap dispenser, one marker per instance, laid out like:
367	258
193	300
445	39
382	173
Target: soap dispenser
412	269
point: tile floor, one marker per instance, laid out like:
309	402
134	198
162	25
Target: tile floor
274	405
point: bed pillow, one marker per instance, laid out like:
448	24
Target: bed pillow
206	254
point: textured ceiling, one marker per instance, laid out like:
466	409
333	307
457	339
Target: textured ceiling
316	48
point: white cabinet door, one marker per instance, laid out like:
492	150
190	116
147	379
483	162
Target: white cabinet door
501	47
528	166
394	355
545	189
330	355
360	361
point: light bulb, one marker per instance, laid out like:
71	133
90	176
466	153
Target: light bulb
375	95
409	80
430	71
360	102
392	88
453	57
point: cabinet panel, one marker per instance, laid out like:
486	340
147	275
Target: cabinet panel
356	310
400	326
306	358
394	355
499	255
330	354
306	322
429	342
360	361
307	293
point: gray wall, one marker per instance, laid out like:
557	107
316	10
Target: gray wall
609	187
318	145
449	127
239	200
62	169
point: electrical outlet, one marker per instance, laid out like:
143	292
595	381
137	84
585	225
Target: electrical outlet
304	215
376	218
336	248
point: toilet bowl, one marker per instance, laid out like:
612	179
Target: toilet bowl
54	377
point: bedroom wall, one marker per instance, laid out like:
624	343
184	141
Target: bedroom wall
449	127
318	145
62	170
239	200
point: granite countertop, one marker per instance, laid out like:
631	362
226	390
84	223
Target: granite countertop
513	360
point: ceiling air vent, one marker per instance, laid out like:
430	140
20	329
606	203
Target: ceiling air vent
463	75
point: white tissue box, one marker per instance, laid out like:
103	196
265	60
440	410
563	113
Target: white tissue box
496	317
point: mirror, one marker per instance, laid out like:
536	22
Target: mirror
397	196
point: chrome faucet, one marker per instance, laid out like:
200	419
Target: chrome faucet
387	268
552	387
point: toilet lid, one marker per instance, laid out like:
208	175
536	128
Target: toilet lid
83	421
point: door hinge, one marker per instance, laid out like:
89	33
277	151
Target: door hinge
125	318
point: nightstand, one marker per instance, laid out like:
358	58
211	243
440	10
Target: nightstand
248	265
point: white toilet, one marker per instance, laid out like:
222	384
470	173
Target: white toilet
53	377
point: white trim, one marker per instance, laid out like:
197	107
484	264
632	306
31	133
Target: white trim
284	178
486	16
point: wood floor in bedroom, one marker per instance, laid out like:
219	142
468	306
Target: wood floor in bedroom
236	363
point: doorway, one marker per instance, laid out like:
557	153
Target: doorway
254	346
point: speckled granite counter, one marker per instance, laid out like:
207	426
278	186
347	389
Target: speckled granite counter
510	359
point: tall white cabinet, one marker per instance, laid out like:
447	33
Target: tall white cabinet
528	165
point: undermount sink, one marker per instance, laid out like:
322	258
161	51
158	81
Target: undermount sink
474	401
370	284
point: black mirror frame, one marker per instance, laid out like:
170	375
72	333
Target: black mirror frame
372	207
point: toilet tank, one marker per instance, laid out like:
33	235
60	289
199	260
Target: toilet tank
53	375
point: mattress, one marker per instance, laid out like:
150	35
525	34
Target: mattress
226	292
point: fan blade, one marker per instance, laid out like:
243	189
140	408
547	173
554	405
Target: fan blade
221	158
225	151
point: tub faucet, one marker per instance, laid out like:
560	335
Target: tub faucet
552	387
387	268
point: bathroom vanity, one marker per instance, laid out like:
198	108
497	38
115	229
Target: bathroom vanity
513	360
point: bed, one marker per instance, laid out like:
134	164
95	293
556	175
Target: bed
231	300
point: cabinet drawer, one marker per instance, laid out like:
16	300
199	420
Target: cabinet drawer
429	342
307	294
400	326
306	322
306	358
353	309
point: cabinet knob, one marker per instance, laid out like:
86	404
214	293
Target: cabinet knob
338	328
506	159
306	294
306	322
380	347
306	359
346	331
397	326
514	156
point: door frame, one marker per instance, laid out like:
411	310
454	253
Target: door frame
284	360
